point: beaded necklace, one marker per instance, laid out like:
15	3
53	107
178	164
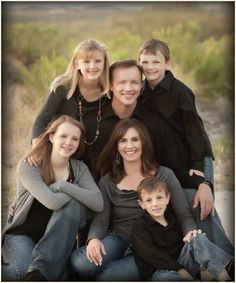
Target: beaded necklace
98	117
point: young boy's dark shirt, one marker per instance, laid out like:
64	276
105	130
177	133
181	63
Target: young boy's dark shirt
155	246
176	103
169	149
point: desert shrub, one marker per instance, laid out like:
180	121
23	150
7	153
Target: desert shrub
38	78
124	46
223	148
215	66
29	41
210	60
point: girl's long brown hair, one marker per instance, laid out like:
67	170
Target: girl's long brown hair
44	147
106	162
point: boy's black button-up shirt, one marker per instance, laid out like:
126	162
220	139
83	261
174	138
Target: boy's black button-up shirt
175	102
155	246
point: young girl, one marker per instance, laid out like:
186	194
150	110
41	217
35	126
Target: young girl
52	204
125	161
80	92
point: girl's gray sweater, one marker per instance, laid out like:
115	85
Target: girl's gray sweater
30	185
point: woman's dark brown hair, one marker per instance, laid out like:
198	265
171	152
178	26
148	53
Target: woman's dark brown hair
106	162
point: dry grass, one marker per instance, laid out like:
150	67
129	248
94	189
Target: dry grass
18	119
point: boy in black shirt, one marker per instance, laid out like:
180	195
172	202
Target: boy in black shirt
175	102
158	244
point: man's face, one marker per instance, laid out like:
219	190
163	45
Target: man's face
126	85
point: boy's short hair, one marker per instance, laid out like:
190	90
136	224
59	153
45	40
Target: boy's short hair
153	45
151	184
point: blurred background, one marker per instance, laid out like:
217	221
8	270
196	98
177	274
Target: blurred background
38	39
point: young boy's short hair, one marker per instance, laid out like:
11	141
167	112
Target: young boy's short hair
151	184
153	45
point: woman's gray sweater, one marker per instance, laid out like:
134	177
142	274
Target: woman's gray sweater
121	207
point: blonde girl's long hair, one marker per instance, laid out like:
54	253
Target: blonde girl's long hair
44	147
72	75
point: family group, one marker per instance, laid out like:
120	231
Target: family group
119	183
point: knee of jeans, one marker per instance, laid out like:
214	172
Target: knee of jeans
80	264
73	209
119	271
13	273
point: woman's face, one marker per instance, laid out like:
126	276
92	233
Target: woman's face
65	141
91	67
130	147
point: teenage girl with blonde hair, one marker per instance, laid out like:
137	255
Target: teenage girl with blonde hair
80	92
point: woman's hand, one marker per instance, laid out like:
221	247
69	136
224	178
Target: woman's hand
94	251
185	274
34	160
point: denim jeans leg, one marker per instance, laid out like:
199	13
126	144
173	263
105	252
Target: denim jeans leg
18	250
123	269
115	247
187	260
211	226
166	276
53	250
210	257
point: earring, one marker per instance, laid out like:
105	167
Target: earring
118	157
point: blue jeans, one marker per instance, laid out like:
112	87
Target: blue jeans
51	253
117	247
198	255
211	225
19	249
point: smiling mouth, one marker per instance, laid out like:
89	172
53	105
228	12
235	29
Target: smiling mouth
130	152
68	150
151	73
92	72
157	210
128	95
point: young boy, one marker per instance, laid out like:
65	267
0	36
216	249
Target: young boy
173	100
159	250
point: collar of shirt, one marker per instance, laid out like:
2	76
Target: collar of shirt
168	215
165	83
108	112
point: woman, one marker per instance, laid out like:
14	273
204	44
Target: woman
125	161
52	203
